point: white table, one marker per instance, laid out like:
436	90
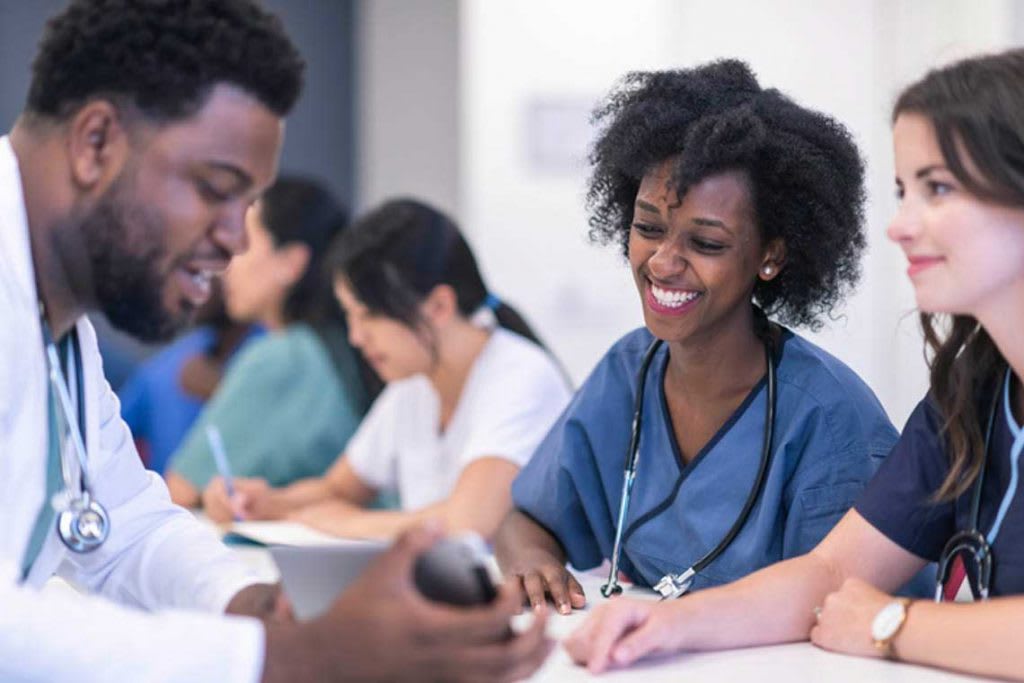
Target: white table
794	663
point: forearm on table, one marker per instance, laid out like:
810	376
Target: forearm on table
302	493
979	638
519	535
773	605
343	518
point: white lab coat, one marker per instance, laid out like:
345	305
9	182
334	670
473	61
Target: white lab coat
162	576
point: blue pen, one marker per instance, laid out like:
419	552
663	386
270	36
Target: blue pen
221	459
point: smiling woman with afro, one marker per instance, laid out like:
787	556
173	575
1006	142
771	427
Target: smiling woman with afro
805	174
733	204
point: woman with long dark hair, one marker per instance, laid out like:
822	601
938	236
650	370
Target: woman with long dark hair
470	390
293	398
948	493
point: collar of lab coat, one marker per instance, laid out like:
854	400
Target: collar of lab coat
14	239
16	256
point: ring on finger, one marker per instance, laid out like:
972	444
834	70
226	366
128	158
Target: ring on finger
816	610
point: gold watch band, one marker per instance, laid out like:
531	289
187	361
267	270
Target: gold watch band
886	645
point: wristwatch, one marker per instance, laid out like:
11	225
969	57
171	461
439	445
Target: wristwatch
887	624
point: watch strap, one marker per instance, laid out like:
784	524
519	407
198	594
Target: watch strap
886	645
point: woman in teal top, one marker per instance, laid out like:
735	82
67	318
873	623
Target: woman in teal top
292	399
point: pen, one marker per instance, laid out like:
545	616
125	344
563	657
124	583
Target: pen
221	459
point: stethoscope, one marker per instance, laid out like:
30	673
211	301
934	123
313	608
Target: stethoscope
82	522
674	585
971	540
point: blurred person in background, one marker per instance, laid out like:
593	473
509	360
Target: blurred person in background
470	389
167	391
294	397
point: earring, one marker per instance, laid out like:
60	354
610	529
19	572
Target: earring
767	270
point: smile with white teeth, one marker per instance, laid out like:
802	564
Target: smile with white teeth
672	298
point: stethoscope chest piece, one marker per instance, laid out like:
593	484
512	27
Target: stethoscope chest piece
83	525
674	585
82	522
609	589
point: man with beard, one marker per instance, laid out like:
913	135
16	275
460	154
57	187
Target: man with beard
150	128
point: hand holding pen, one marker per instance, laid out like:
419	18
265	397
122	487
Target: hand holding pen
220	458
246	504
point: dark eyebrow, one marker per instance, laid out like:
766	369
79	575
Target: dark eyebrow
641	204
243	179
921	173
711	223
704	222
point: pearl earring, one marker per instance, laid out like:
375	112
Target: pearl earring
767	270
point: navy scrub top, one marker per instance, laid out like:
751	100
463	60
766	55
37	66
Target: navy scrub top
897	502
831	433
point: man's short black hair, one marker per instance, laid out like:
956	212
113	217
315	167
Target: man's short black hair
162	56
806	174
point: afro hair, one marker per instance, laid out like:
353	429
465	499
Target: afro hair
805	171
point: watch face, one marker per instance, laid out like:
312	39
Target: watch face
888	621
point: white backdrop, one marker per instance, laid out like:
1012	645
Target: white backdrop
529	71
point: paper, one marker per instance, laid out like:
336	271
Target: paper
313	577
283	533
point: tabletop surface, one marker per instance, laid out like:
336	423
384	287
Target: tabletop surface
792	663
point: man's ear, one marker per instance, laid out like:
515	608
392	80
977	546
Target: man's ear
97	145
441	305
774	260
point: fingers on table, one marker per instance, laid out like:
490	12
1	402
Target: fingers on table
614	634
565	592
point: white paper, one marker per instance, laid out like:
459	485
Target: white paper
285	533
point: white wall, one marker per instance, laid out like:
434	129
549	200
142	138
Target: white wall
911	36
481	107
407	61
521	183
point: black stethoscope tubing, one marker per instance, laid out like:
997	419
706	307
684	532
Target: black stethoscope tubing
971	539
612	587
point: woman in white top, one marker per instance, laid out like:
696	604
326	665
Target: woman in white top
470	391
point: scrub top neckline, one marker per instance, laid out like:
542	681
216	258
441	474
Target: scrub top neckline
685	471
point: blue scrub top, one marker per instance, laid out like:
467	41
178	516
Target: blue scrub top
831	433
898	502
153	404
